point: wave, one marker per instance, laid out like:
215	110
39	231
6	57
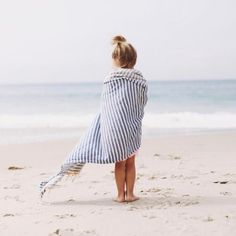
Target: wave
175	120
45	120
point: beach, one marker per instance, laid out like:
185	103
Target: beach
186	184
92	82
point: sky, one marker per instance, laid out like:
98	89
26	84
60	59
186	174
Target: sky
55	41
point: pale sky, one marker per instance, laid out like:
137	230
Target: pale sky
51	41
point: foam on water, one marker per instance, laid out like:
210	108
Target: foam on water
176	120
217	120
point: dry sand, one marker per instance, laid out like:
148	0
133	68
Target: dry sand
187	185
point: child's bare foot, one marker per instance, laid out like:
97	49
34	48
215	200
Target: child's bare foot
131	198
119	198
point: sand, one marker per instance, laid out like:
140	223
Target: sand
186	185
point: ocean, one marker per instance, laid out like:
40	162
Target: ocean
35	112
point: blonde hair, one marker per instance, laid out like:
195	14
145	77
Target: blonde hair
124	53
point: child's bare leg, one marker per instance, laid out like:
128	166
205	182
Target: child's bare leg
130	179
120	180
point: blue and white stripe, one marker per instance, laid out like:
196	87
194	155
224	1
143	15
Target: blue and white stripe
116	131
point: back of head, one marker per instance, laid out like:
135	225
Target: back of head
123	53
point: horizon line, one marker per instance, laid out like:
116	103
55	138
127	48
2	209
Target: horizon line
97	81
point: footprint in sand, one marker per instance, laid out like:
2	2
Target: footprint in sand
62	232
14	186
176	176
149	216
189	203
65	216
153	190
16	198
132	208
226	193
156	155
164	177
139	176
153	177
44	174
174	157
168	156
72	232
208	219
190	177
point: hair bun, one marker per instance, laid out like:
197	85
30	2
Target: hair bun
118	39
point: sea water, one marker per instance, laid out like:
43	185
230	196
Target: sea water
31	111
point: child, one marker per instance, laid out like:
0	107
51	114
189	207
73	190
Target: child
115	134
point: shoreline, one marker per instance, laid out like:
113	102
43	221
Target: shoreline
41	135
